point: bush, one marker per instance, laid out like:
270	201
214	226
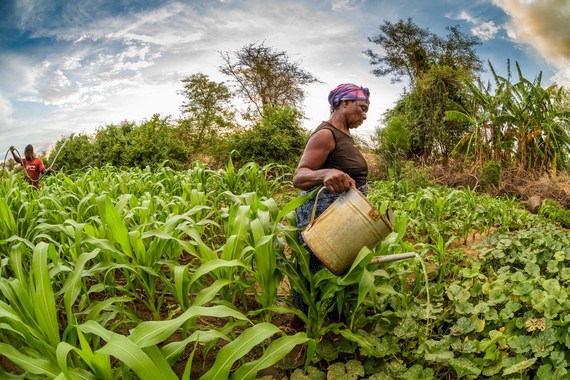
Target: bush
394	140
551	210
277	138
153	143
491	173
416	177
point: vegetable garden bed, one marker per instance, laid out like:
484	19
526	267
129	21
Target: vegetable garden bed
160	274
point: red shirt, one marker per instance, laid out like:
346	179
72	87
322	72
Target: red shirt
34	168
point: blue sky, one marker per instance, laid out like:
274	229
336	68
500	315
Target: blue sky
70	66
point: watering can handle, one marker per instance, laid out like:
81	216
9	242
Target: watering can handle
315	205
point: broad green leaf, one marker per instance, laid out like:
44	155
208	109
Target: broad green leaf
208	294
35	365
296	202
172	351
239	348
520	366
465	367
154	332
135	358
276	351
358	339
212	265
63	350
44	299
116	226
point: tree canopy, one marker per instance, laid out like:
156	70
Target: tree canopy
207	111
435	68
409	50
264	76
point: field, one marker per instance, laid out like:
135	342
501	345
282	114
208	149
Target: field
139	274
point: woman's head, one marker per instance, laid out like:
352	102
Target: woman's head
347	91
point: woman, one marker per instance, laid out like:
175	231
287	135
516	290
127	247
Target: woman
331	159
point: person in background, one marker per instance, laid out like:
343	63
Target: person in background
34	166
332	159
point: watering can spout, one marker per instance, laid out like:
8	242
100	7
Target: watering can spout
396	257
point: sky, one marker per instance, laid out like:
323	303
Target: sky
74	66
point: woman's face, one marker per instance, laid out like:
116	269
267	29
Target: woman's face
355	112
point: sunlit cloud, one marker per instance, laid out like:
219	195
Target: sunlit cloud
485	30
545	26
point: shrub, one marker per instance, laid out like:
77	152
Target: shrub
491	173
416	177
551	210
276	138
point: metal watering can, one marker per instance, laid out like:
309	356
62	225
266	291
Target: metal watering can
350	223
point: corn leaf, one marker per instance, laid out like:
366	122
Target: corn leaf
116	227
207	294
145	366
276	351
212	265
172	351
35	365
44	299
239	348
154	332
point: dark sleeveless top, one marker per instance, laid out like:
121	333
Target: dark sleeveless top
345	156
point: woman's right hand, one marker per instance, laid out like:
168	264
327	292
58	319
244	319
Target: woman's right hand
337	181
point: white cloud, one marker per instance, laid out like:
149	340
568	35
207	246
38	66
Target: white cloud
545	26
345	5
70	63
464	15
130	67
485	30
16	75
5	109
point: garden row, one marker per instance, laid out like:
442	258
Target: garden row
114	273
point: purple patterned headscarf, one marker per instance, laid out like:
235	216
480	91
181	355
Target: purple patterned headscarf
347	91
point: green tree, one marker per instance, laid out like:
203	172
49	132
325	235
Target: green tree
406	47
111	143
154	142
436	67
433	95
77	153
409	50
265	77
276	138
207	112
519	123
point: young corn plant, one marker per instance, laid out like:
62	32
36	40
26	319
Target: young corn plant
30	332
